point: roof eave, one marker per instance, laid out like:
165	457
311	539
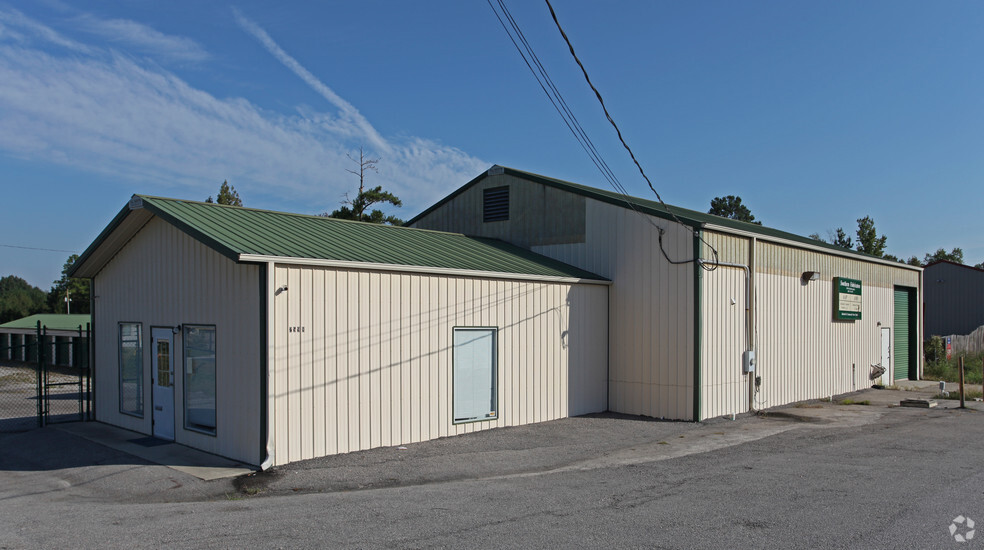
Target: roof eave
370	266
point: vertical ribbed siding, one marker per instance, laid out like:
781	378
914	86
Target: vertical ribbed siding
802	353
162	277
651	310
380	349
724	387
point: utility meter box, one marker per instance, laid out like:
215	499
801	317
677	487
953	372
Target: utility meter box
748	362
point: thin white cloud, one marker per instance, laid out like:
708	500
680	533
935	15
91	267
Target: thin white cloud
144	38
347	109
135	122
15	19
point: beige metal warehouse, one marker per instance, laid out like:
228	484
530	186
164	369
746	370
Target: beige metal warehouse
269	337
682	318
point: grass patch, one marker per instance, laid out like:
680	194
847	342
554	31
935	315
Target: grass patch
809	406
853	402
949	370
968	395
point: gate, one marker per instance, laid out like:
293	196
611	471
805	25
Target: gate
44	378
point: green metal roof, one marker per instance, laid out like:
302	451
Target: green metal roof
53	321
236	231
692	218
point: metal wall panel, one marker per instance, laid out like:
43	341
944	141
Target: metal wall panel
651	331
802	352
538	214
162	277
652	310
377	345
954	299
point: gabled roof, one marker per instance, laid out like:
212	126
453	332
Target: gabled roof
692	218
53	321
246	234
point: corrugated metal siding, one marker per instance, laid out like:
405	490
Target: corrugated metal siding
724	389
651	310
651	301
371	364
802	353
538	215
954	299
162	277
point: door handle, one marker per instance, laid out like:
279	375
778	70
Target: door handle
159	408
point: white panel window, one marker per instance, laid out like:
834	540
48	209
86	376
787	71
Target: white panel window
474	364
199	378
131	369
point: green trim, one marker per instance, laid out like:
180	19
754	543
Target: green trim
194	232
698	280
103	235
264	352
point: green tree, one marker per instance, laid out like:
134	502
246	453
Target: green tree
358	208
955	256
19	299
77	290
868	240
731	207
227	195
841	239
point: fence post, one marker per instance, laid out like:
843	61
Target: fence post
960	362
40	388
88	371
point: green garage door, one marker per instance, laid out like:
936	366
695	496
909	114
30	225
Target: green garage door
901	334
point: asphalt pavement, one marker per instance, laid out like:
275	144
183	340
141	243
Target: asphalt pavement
818	474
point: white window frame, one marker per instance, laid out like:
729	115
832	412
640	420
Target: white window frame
463	378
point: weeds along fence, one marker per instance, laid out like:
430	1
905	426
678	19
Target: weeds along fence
970	344
44	377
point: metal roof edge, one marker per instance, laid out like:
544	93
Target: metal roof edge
818	246
204	238
453	194
259	258
103	235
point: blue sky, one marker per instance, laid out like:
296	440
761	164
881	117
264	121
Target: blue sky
816	114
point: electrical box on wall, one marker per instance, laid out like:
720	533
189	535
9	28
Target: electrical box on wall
748	362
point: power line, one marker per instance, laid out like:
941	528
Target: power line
539	71
611	120
34	248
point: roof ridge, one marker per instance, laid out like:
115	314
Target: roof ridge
293	214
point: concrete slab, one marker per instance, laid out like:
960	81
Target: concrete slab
184	459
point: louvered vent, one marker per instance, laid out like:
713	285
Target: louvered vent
495	204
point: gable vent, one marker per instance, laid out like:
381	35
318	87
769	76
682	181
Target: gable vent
495	204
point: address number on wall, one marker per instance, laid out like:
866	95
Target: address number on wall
295	329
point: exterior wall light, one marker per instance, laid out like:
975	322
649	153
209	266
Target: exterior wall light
808	276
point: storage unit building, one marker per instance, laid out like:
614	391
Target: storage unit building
708	316
62	335
268	337
954	299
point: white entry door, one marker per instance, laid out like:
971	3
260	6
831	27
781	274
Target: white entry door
162	378
886	356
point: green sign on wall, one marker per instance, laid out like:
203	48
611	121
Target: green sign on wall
847	299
